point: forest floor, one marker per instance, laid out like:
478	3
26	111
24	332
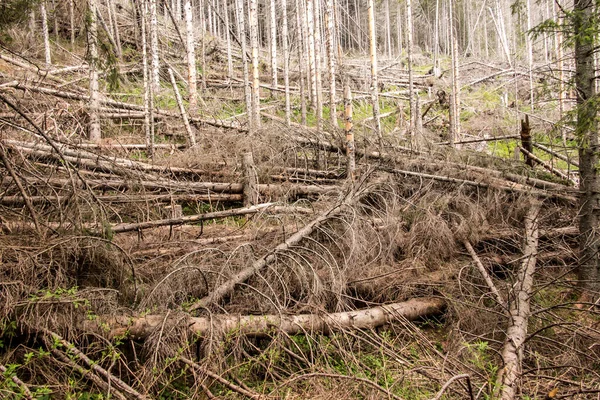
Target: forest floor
151	276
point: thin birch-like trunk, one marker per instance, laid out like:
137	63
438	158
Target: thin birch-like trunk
191	58
318	83
228	40
55	20
301	57
247	87
388	28
273	26
44	16
154	47
455	97
374	89
115	23
561	73
311	51
95	133
399	28
529	54
411	80
436	39
186	123
203	43
255	115
147	85
331	59
286	62
72	20
350	147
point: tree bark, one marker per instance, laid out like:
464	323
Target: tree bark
273	26
253	21
154	47
286	61
45	33
409	52
262	325
516	334
587	134
374	89
188	129
191	58
95	133
250	191
331	59
350	149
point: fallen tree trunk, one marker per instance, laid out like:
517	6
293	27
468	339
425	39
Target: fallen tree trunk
120	228
206	188
227	287
516	334
138	198
263	325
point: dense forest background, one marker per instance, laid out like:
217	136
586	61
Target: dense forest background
299	199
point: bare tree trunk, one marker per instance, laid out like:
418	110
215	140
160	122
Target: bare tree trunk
191	58
399	27
310	24
436	39
228	37
250	191
117	34
262	325
95	133
302	52
72	20
331	58
154	47
516	334
203	44
188	128
411	79
255	115
317	50
286	62
388	28
587	133
529	53
273	23
455	97
247	87
561	74
350	147
148	120
44	16
374	84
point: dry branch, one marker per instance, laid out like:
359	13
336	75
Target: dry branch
26	392
94	366
220	379
484	273
263	325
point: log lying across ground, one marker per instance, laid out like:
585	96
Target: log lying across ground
262	325
516	334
